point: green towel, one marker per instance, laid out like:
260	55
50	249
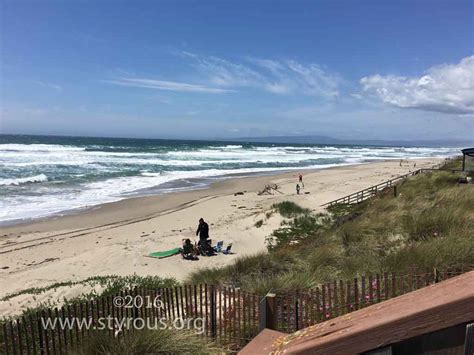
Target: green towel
164	254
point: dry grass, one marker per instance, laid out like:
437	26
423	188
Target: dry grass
158	341
430	224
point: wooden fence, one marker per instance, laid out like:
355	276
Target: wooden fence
300	309
225	314
359	196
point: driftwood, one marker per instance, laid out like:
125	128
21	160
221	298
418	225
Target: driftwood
270	189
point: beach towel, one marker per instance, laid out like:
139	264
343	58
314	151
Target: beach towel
164	254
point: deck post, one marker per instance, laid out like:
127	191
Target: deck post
268	312
469	341
395	191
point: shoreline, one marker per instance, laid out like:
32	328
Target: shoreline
114	238
214	182
208	183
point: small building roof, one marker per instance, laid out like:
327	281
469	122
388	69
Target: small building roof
468	151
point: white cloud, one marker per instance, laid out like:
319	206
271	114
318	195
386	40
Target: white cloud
217	75
166	85
447	88
37	111
274	76
50	85
224	73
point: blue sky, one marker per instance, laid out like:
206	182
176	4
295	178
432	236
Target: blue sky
218	69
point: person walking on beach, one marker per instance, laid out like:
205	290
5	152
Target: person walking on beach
297	189
203	232
300	178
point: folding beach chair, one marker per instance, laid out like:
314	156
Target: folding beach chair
227	250
218	247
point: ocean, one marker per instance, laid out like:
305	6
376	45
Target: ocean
45	175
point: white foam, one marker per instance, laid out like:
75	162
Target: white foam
41	159
38	147
26	180
110	190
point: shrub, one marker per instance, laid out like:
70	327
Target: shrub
295	232
290	209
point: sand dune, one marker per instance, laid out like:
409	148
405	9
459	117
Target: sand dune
114	238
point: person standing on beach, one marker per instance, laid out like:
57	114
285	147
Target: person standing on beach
301	180
203	232
297	189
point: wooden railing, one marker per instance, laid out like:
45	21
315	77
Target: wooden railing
359	196
371	191
227	315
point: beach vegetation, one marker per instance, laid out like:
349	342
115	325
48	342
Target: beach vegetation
428	225
108	285
147	341
289	209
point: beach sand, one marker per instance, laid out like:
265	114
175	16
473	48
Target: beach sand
113	239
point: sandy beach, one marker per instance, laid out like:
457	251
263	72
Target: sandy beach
113	239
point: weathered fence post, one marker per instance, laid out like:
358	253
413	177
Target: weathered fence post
134	303
395	191
436	276
268	312
297	312
213	312
5	338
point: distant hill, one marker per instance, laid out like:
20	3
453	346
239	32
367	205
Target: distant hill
331	140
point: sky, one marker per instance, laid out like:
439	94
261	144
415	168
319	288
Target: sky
369	69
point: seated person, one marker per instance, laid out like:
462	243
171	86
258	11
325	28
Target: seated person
205	247
188	251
